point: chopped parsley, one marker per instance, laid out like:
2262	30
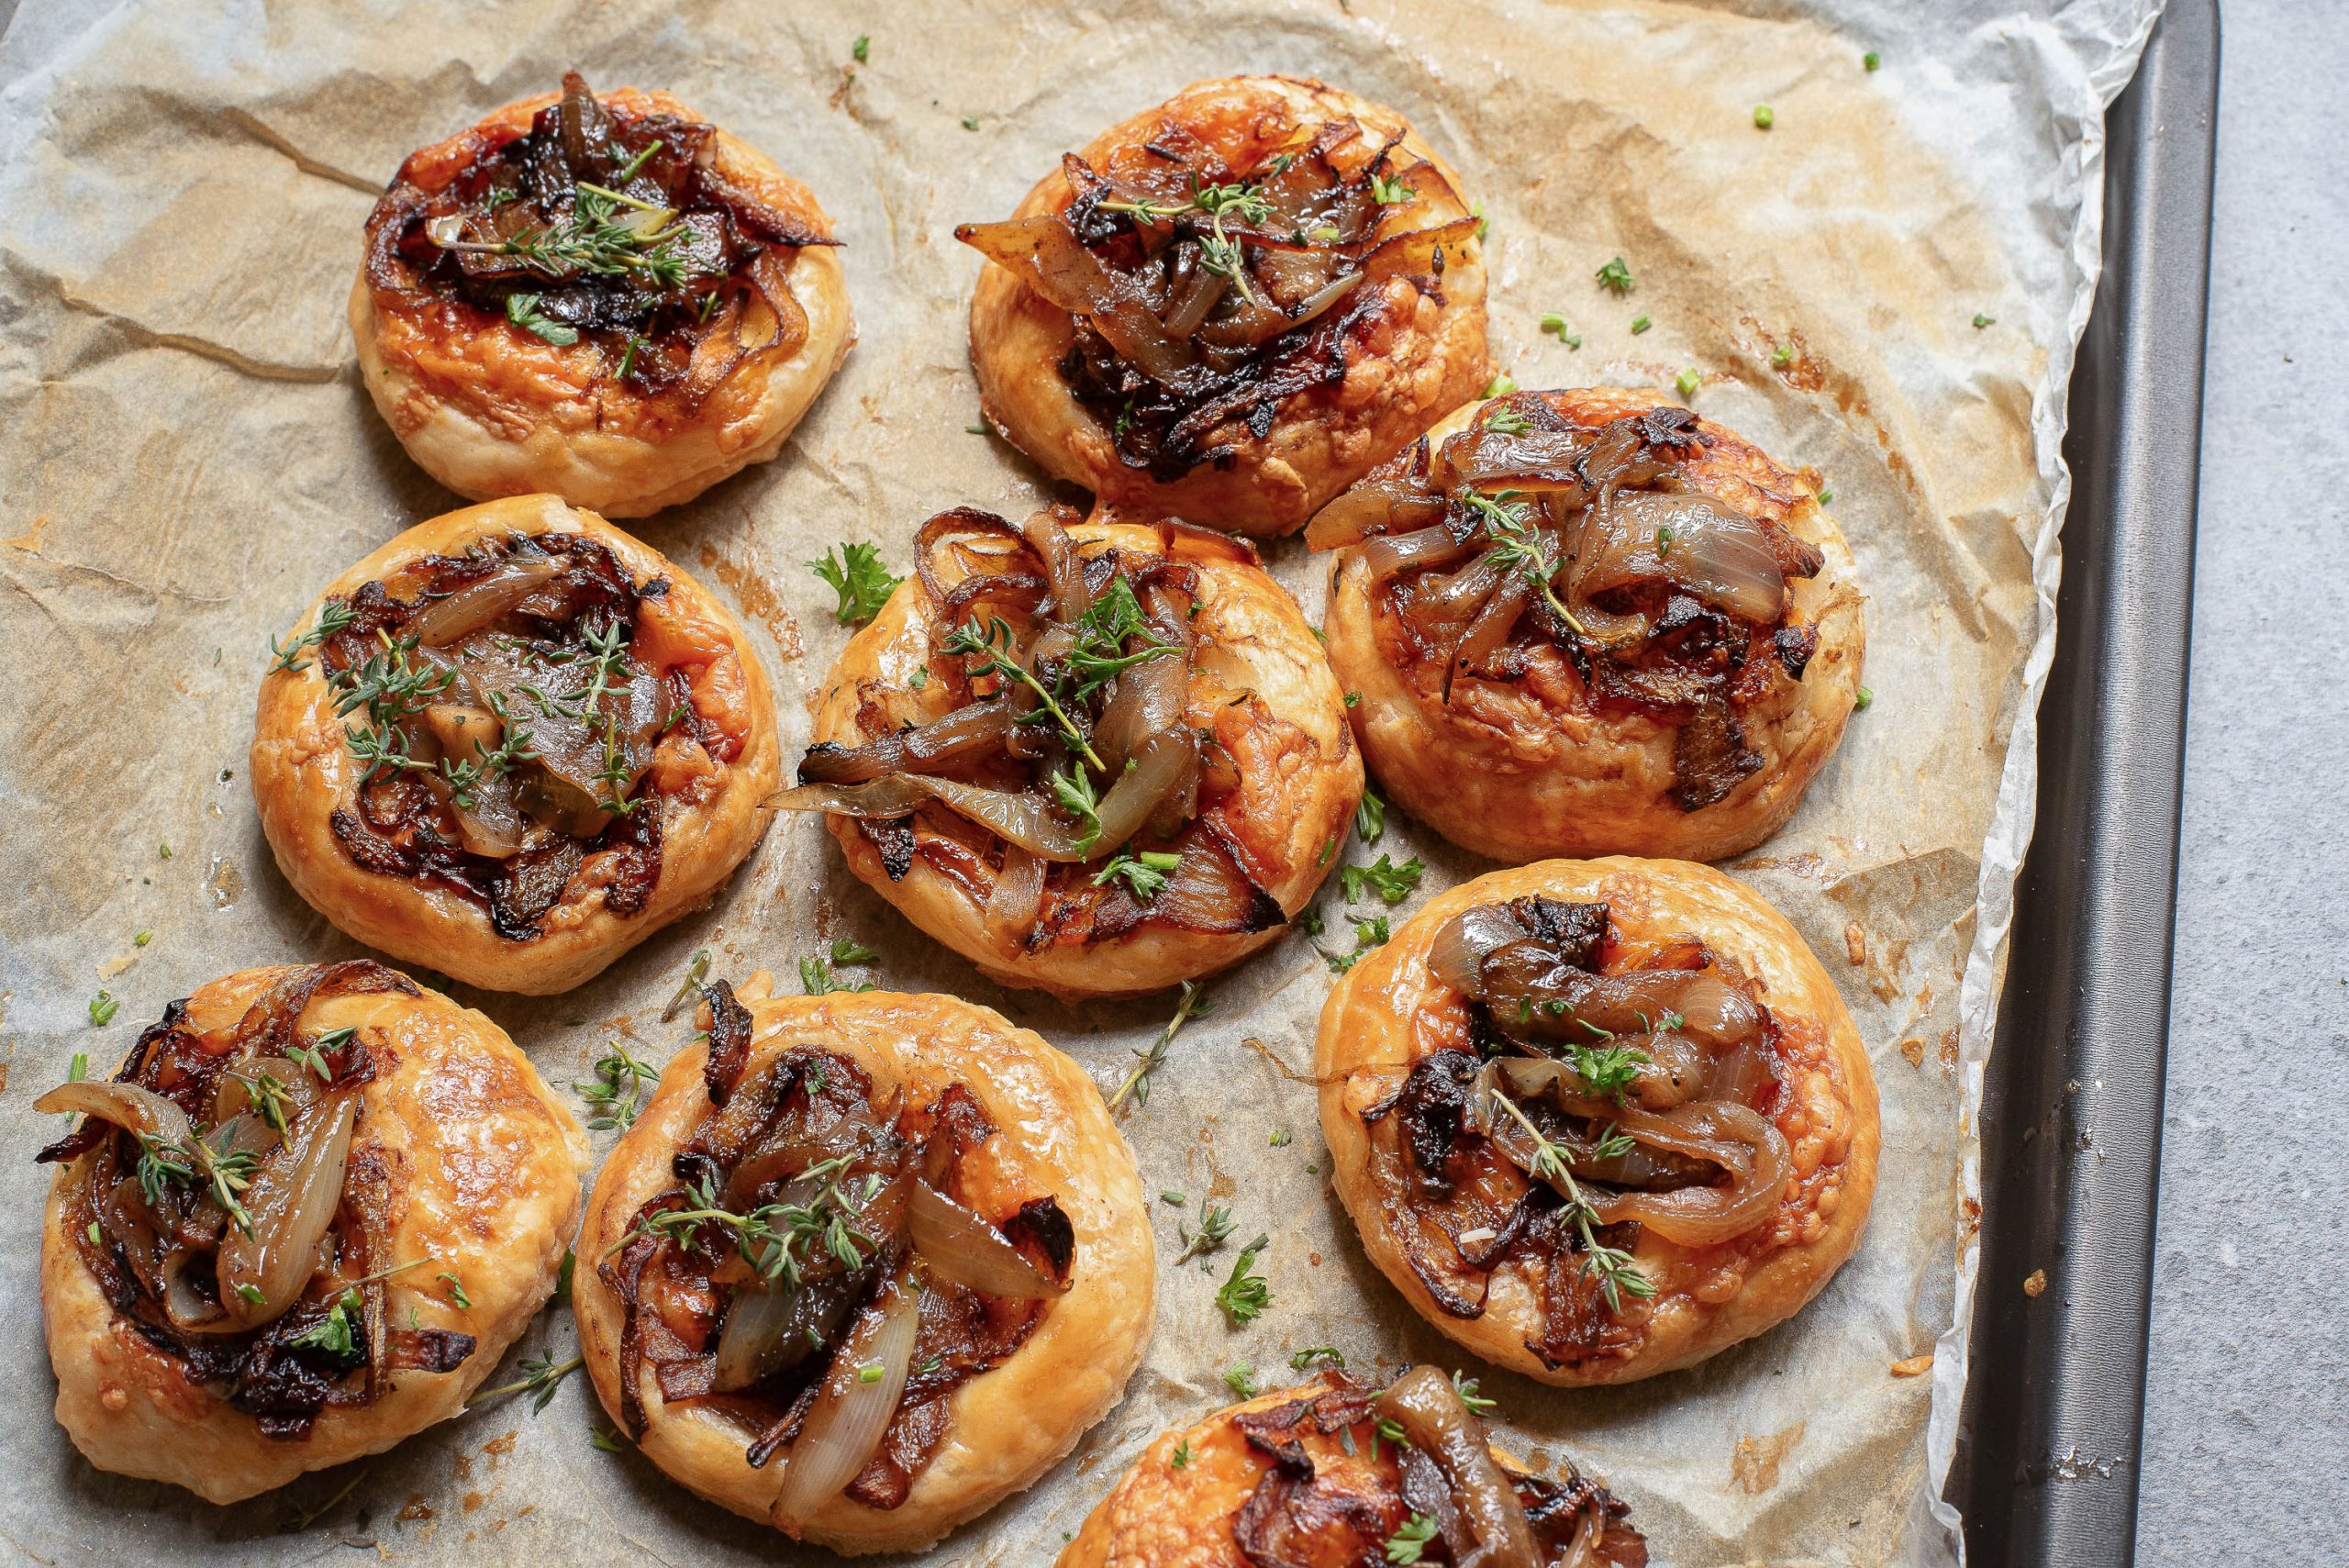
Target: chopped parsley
1370	817
856	574
1144	873
1245	1295
1616	277
1407	1543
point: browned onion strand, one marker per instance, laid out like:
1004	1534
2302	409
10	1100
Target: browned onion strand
1049	257
1424	1402
1017	896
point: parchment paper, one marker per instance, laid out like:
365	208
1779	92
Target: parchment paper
187	455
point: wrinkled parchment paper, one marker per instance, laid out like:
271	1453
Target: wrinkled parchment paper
186	455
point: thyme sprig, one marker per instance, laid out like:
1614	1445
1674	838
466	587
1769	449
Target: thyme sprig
192	1162
1517	545
540	1375
984	651
1137	1080
620	1080
332	619
1215	1229
778	1240
1617	1275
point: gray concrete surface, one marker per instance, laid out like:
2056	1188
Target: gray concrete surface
2246	1449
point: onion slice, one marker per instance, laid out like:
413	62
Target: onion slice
960	1246
1693	541
1429	1409
459	615
293	1199
127	1105
851	1415
1046	256
1012	902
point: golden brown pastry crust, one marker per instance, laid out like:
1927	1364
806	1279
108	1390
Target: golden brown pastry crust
1520	771
302	770
1009	1426
1322	441
1390	1010
488	1163
491	410
1309	808
1160	1515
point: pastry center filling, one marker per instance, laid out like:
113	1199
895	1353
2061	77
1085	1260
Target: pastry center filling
1405	1474
1207	292
1605	1090
607	224
517	715
834	1259
1527	536
221	1209
1091	769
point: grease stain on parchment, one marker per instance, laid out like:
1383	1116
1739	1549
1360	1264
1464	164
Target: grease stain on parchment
758	598
1753	1466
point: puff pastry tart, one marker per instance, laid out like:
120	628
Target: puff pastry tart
866	1266
1598	1119
302	1223
1096	757
1315	1475
511	744
1232	306
1588	622
606	298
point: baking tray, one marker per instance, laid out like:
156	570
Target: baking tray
2046	1468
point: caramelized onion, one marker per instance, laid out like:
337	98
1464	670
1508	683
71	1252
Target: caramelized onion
1457	952
1374	506
1746	1144
127	1105
1716	1011
851	1415
1047	258
1149	698
1429	1409
293	1200
960	1246
459	615
1716	551
977	730
1071	596
1016	895
1384	556
1740	1139
1490	628
892	797
1152	773
1016	816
